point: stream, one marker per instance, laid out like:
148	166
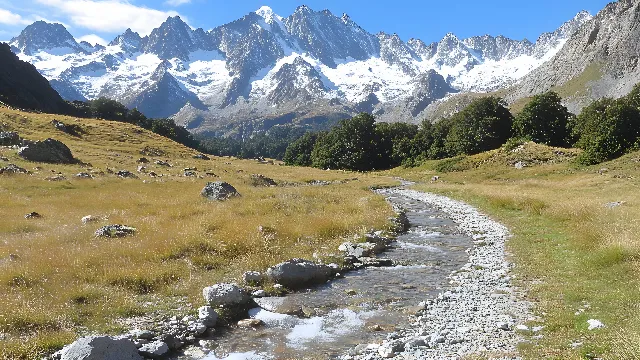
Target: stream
363	307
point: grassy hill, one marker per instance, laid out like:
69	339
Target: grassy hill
58	280
576	241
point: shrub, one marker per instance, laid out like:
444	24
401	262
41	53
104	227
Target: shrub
543	120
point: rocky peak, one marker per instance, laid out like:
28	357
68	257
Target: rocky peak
328	37
298	81
395	52
129	41
42	35
498	48
451	51
175	39
548	41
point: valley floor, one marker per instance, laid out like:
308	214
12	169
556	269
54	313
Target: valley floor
575	242
58	280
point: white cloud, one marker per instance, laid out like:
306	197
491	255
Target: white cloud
9	18
109	15
93	39
177	2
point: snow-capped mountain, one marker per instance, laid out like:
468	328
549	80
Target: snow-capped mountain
264	66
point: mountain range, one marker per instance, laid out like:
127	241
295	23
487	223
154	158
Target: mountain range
310	68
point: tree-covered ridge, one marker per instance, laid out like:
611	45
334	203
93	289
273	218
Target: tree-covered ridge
604	130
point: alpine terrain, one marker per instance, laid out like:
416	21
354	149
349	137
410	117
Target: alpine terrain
264	69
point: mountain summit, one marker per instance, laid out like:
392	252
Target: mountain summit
264	68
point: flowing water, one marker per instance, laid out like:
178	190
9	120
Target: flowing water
362	307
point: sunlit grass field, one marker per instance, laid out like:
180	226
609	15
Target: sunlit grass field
57	280
571	250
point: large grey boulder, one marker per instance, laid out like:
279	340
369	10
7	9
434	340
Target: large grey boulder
49	150
298	273
219	190
225	295
101	348
9	138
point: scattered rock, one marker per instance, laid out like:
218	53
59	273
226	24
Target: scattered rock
115	231
298	273
435	178
49	151
389	350
12	169
190	174
261	180
101	348
33	215
219	190
90	219
375	328
73	130
172	341
595	324
58	177
252	277
208	316
163	163
150	151
520	165
225	295
211	174
503	326
201	157
9	138
143	160
259	294
126	174
615	204
279	305
142	169
84	175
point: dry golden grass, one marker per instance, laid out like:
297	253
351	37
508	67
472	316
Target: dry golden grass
66	281
569	247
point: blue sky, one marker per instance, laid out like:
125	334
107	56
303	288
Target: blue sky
429	20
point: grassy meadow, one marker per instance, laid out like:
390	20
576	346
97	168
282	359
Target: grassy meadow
57	280
578	258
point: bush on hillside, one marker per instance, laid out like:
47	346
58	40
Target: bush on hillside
543	120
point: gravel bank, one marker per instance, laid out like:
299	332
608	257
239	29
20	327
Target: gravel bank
481	314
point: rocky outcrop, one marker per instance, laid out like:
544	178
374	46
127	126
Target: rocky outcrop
9	138
49	151
219	191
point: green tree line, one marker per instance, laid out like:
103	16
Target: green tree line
606	129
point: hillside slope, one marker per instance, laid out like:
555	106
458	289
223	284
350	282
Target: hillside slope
58	280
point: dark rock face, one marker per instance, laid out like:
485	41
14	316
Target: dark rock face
22	86
49	151
219	191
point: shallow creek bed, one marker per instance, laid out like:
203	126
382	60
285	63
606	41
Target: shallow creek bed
447	295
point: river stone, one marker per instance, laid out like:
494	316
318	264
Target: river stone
142	334
357	249
154	350
389	350
219	190
49	151
250	323
298	273
101	348
279	305
115	231
9	138
208	316
225	295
